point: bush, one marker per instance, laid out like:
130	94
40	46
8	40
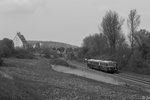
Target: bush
48	53
1	62
145	68
59	62
138	64
5	51
6	47
23	54
135	61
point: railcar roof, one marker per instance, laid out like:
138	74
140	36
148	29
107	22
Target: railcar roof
96	60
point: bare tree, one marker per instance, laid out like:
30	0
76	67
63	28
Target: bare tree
133	22
111	28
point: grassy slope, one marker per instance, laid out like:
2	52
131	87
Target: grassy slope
35	80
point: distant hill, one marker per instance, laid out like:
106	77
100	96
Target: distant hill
52	44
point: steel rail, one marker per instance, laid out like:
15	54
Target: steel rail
145	82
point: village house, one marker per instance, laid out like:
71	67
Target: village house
37	45
20	41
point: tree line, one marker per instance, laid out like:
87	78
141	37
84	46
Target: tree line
131	53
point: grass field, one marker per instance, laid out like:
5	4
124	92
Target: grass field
35	80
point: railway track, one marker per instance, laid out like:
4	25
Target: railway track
126	76
135	79
136	76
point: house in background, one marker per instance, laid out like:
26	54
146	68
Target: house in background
20	41
37	45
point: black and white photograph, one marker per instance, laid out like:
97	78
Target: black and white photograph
74	49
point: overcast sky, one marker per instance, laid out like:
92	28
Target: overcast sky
66	21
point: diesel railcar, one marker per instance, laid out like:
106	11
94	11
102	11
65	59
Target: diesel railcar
103	65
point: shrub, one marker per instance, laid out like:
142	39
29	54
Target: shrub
135	61
59	62
5	51
138	64
6	47
48	53
144	70
23	54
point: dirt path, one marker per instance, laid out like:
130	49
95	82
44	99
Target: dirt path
100	76
87	74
